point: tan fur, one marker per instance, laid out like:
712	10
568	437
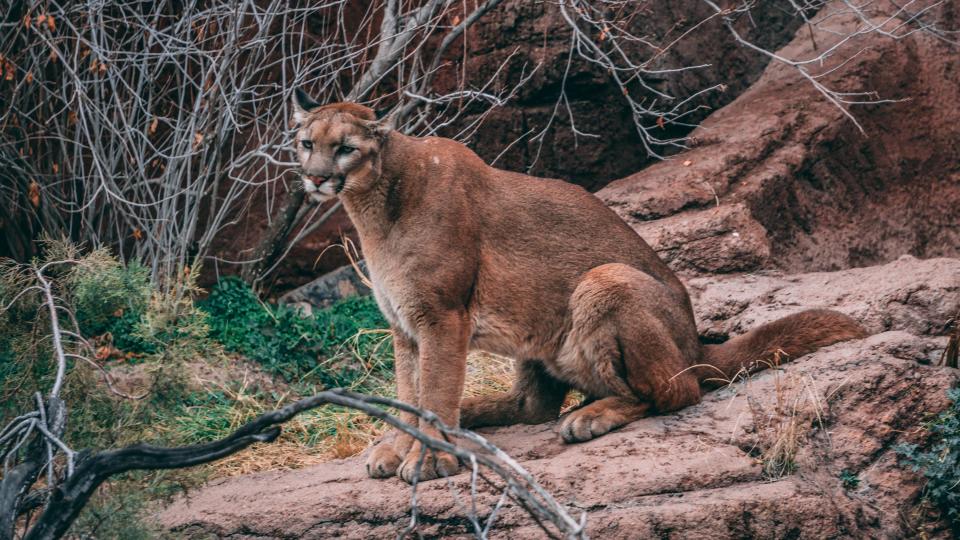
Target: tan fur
464	256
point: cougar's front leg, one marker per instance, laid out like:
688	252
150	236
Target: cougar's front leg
536	397
386	456
443	339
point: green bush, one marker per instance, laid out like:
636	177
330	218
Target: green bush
105	291
6	333
175	326
127	332
940	464
336	346
108	297
26	360
102	296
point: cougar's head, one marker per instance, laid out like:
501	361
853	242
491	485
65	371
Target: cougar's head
338	146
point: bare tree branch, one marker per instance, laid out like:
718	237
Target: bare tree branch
601	36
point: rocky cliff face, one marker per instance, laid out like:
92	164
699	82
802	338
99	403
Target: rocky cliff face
780	178
535	35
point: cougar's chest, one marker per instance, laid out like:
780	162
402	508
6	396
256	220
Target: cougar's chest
393	294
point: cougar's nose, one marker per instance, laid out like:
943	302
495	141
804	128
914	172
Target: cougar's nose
317	180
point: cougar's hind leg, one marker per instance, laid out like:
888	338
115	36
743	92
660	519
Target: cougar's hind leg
536	397
622	350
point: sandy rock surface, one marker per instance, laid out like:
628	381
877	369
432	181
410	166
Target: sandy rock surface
909	294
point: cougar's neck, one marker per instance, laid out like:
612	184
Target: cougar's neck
393	193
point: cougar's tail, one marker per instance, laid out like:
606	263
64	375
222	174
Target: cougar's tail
776	342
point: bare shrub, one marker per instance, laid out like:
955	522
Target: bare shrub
148	127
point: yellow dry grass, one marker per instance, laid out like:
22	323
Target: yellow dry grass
783	423
487	374
303	442
354	432
278	455
307	439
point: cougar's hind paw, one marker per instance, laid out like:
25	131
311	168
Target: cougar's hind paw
581	425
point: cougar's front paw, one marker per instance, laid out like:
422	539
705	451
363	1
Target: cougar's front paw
383	460
435	465
585	424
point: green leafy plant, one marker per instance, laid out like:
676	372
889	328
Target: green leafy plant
337	346
849	479
940	463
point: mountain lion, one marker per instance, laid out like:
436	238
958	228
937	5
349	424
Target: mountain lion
465	256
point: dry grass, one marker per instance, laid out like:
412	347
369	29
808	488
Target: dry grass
306	440
780	437
310	438
487	374
330	433
782	421
779	426
278	455
354	432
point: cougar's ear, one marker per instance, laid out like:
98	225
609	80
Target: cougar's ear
385	123
302	105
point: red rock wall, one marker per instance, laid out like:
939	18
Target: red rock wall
782	178
539	35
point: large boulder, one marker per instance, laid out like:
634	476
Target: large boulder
781	178
802	452
344	282
534	133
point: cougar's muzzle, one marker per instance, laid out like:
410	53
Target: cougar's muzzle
323	185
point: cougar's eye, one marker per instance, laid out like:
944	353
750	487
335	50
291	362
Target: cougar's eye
307	144
346	150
